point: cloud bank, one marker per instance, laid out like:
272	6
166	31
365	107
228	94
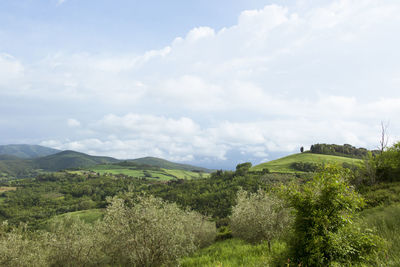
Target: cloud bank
281	78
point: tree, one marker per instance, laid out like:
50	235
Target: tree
259	216
301	149
324	231
243	168
383	143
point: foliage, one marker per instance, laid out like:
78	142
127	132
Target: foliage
72	242
323	230
388	164
345	150
146	231
305	166
18	248
151	232
258	217
243	168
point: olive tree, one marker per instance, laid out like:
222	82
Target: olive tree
151	232
259	216
19	247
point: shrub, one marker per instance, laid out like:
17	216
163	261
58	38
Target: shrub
18	247
324	232
72	242
152	232
258	216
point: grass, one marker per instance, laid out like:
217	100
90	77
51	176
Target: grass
283	164
386	222
234	252
88	216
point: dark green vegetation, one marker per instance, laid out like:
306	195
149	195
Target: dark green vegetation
27	151
22	168
337	217
345	150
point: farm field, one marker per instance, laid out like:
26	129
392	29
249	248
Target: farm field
284	164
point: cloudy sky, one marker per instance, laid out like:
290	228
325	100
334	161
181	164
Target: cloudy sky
212	83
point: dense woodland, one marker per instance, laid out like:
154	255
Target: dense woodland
345	150
311	215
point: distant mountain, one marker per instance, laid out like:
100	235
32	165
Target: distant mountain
162	163
11	166
27	151
70	159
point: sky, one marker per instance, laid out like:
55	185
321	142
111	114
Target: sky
211	83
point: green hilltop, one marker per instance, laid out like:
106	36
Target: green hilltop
286	164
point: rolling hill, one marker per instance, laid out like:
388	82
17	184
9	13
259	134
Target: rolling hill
27	151
165	164
70	159
285	164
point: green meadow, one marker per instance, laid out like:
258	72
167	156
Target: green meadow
283	165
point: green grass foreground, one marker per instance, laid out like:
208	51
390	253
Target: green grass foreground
284	164
234	252
386	223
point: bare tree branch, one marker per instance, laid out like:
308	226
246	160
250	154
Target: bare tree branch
383	143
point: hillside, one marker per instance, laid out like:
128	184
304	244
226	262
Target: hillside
12	167
165	164
285	164
70	159
27	151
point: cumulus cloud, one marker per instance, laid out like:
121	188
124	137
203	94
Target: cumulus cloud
73	123
280	78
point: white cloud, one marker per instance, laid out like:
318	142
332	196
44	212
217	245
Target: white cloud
60	2
73	123
280	78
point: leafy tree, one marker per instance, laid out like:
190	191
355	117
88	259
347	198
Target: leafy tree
152	232
324	232
243	168
259	216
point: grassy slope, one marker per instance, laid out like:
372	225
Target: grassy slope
283	164
88	216
386	222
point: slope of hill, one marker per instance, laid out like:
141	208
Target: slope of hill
27	151
70	159
285	164
165	164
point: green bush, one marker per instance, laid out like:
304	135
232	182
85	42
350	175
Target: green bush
152	232
72	242
258	217
19	248
324	232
